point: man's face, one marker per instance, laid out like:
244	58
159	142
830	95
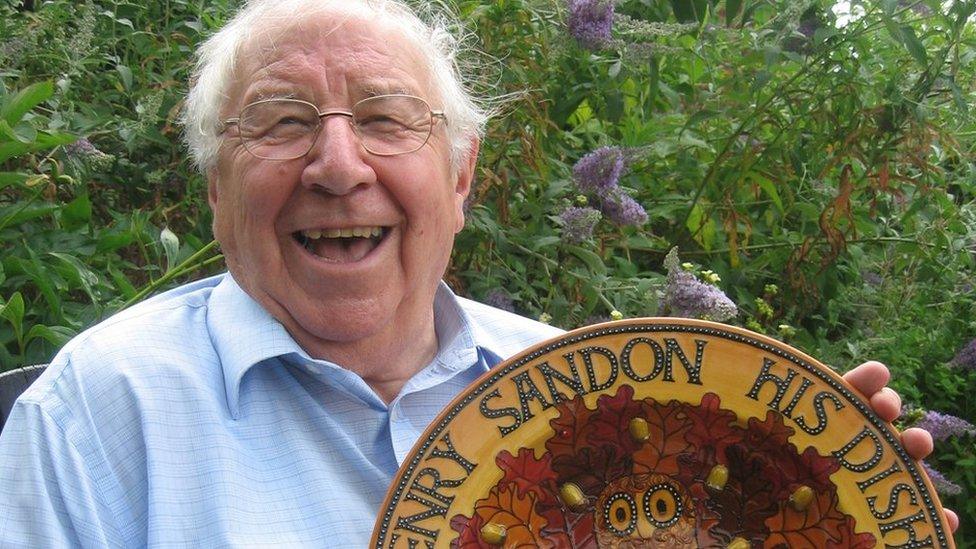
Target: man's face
338	289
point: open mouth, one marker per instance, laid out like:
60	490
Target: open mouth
341	245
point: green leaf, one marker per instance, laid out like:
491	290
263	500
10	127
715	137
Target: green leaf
19	213
171	245
769	188
592	261
55	335
8	179
544	242
732	8
13	311
25	100
702	227
76	213
43	141
913	45
125	73
78	274
122	283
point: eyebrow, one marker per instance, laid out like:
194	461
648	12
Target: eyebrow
372	90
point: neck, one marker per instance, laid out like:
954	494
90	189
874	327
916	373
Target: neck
385	360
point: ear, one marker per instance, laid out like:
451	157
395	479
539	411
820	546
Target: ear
463	179
212	192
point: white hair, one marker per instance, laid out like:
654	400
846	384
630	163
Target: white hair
436	36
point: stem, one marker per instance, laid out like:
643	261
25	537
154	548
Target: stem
189	264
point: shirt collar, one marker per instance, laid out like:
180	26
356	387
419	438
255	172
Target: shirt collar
244	335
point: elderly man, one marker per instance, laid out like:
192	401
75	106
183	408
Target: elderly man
272	405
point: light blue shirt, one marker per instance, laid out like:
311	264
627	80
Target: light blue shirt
195	420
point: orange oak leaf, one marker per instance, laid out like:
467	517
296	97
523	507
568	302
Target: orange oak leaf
668	424
517	513
821	524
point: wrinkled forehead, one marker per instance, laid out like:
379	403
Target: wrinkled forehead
261	53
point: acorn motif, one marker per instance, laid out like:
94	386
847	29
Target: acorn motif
739	543
572	496
717	477
639	429
801	498
493	534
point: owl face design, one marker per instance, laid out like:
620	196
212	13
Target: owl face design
646	511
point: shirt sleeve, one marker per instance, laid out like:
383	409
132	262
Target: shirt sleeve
49	487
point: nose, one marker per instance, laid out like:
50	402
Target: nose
336	163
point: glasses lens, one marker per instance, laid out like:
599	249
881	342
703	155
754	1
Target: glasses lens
392	124
279	129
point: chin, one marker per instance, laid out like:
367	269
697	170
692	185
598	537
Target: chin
347	321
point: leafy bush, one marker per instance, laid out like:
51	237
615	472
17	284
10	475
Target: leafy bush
816	164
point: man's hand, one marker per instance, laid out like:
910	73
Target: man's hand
871	379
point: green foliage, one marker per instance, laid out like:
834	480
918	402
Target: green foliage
819	165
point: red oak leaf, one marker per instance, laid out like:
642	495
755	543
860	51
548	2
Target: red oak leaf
611	420
575	458
469	530
570	530
746	501
853	540
571	428
528	473
668	424
713	428
821	524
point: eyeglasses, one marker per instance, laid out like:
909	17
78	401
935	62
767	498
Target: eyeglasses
285	129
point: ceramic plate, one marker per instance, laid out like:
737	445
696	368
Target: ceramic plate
660	433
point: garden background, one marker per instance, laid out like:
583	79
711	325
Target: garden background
812	159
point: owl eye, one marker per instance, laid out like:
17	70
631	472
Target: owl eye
662	505
620	514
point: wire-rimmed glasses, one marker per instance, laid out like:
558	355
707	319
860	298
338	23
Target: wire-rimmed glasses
285	129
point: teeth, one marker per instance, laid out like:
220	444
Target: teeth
361	232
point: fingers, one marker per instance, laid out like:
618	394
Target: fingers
917	442
952	518
886	403
868	378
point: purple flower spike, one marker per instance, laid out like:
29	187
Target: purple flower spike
966	358
688	297
500	299
621	208
600	169
943	426
590	22
578	223
942	485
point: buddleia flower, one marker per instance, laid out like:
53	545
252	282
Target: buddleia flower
966	358
942	485
85	153
590	22
578	223
499	299
600	169
621	208
686	296
942	426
